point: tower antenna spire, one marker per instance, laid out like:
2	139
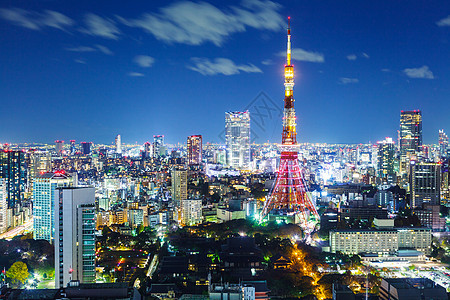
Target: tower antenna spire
288	54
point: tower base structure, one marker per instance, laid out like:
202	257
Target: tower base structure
289	197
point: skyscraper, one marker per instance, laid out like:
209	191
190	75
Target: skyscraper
118	144
148	149
410	136
425	183
158	145
59	147
43	203
86	148
74	235
443	143
13	170
73	148
237	127
194	148
179	186
386	152
3	206
40	162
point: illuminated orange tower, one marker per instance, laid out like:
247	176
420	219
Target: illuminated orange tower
289	195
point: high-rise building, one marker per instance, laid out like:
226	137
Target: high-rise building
118	144
191	212
237	127
194	148
410	136
148	150
443	144
3	206
103	203
73	148
86	148
44	200
179	186
13	170
386	153
40	162
158	145
425	183
74	235
59	147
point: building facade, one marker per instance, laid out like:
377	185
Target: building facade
86	148
75	238
44	203
237	128
179	186
425	183
380	241
410	136
118	142
194	148
3	206
13	170
191	212
386	156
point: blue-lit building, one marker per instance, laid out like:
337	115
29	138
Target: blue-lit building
43	203
13	170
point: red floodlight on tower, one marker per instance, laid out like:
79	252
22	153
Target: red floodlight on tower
289	194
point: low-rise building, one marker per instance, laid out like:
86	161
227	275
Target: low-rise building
383	240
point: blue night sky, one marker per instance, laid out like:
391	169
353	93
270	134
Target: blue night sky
88	70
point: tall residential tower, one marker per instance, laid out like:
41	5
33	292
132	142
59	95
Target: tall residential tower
237	127
410	136
194	148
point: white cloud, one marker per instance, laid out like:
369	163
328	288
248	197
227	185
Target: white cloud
34	20
351	57
346	80
100	48
56	20
80	61
365	55
385	70
102	27
81	49
195	23
144	61
135	74
223	66
267	62
422	72
444	21
104	50
304	55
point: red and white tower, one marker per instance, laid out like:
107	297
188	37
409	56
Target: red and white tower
289	195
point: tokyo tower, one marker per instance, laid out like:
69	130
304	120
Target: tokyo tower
289	195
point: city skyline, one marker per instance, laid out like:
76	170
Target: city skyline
73	71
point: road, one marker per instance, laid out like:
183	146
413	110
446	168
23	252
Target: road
153	265
27	226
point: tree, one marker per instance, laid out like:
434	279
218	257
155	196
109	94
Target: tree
18	273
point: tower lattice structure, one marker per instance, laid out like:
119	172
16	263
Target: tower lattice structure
289	194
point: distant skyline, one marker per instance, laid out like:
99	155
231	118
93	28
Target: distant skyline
88	70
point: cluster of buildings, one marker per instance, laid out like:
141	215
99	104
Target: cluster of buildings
126	187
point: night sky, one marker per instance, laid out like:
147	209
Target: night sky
89	70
